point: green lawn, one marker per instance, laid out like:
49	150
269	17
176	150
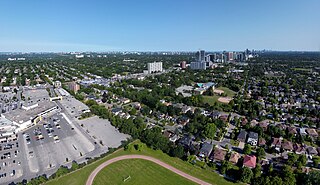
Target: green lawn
79	177
140	172
228	91
212	99
301	69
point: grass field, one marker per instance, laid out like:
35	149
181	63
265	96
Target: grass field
79	177
212	99
302	69
140	172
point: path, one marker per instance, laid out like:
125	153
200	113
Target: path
148	158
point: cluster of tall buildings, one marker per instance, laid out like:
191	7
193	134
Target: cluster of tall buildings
204	61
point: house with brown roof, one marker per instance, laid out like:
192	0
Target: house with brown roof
276	143
218	155
287	146
299	149
250	161
264	125
262	142
253	123
312	132
244	121
234	158
292	130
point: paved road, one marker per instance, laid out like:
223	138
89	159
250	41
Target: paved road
103	165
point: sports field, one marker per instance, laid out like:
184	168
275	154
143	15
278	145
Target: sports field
215	98
137	171
80	176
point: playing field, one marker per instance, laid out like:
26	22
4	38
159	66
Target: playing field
80	177
214	99
137	171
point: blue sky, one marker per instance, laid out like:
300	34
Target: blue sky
162	25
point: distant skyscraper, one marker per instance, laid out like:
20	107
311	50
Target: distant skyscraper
230	56
202	55
197	56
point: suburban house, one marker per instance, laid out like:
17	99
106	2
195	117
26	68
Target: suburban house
249	161
311	150
312	132
218	155
287	146
262	142
205	150
299	149
276	143
242	136
264	125
235	156
253	138
292	130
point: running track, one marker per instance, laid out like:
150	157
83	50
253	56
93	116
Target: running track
103	165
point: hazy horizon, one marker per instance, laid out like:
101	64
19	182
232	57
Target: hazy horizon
99	26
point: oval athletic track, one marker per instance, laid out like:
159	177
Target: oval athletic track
148	158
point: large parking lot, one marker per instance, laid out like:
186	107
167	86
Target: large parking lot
10	160
53	143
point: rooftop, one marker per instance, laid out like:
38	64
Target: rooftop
20	116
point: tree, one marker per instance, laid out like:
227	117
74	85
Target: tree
292	158
260	152
246	175
210	131
302	160
177	151
313	178
316	161
247	149
74	166
133	111
288	175
257	171
225	166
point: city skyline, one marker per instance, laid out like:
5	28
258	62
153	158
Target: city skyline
158	26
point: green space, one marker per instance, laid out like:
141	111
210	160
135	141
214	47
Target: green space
214	99
80	176
228	91
138	171
301	69
211	99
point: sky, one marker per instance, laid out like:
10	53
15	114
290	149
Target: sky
158	25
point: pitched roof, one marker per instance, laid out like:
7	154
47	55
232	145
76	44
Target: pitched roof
312	132
262	142
276	142
234	157
298	148
312	150
292	130
242	136
287	145
249	161
253	135
219	154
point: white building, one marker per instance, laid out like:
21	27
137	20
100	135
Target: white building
154	67
198	65
57	84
